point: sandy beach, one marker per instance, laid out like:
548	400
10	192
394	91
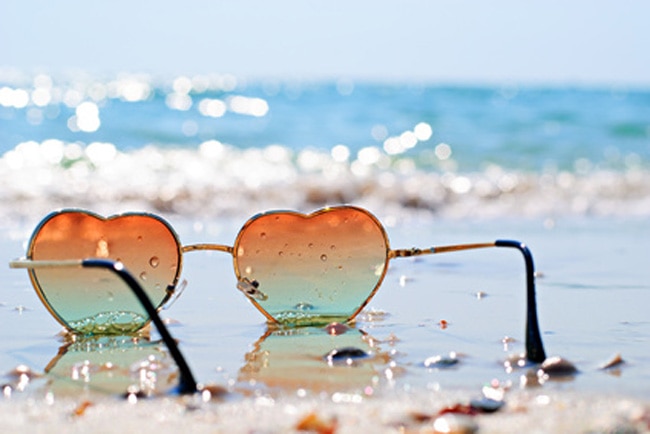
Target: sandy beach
485	125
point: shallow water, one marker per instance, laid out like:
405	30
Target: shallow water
592	294
213	145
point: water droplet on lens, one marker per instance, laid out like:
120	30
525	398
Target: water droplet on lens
143	276
154	261
340	267
262	235
310	245
323	257
102	249
140	238
280	253
332	247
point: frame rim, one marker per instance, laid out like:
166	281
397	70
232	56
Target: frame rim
169	291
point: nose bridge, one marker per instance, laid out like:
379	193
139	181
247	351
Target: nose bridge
207	246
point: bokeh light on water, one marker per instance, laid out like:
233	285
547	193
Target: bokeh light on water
212	143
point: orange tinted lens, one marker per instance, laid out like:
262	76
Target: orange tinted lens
93	304
315	268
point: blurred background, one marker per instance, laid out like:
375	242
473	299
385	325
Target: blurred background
453	108
451	41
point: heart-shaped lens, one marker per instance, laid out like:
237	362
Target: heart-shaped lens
310	269
88	302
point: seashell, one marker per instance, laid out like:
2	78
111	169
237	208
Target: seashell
212	392
314	423
22	371
454	424
80	410
614	362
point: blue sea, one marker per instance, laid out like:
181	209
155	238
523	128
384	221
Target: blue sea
216	144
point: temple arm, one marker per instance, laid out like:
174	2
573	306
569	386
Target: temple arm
534	345
186	384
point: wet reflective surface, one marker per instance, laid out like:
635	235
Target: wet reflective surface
426	334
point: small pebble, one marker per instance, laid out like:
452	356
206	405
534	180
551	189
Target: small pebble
133	393
345	355
556	367
336	328
442	361
486	405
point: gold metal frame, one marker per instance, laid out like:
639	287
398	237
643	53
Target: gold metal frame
390	253
56	264
534	346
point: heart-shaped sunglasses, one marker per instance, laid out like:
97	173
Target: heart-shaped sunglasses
300	269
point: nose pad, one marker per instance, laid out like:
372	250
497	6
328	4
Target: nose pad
250	288
176	292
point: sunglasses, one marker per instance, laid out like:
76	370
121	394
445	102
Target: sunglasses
296	269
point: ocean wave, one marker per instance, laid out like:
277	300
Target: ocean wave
219	180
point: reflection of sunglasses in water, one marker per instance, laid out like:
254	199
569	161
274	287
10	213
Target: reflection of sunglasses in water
316	359
118	279
129	365
296	269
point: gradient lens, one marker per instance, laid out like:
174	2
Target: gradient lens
310	269
91	302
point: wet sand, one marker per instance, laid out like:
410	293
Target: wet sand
593	295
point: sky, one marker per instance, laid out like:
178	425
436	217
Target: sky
550	41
